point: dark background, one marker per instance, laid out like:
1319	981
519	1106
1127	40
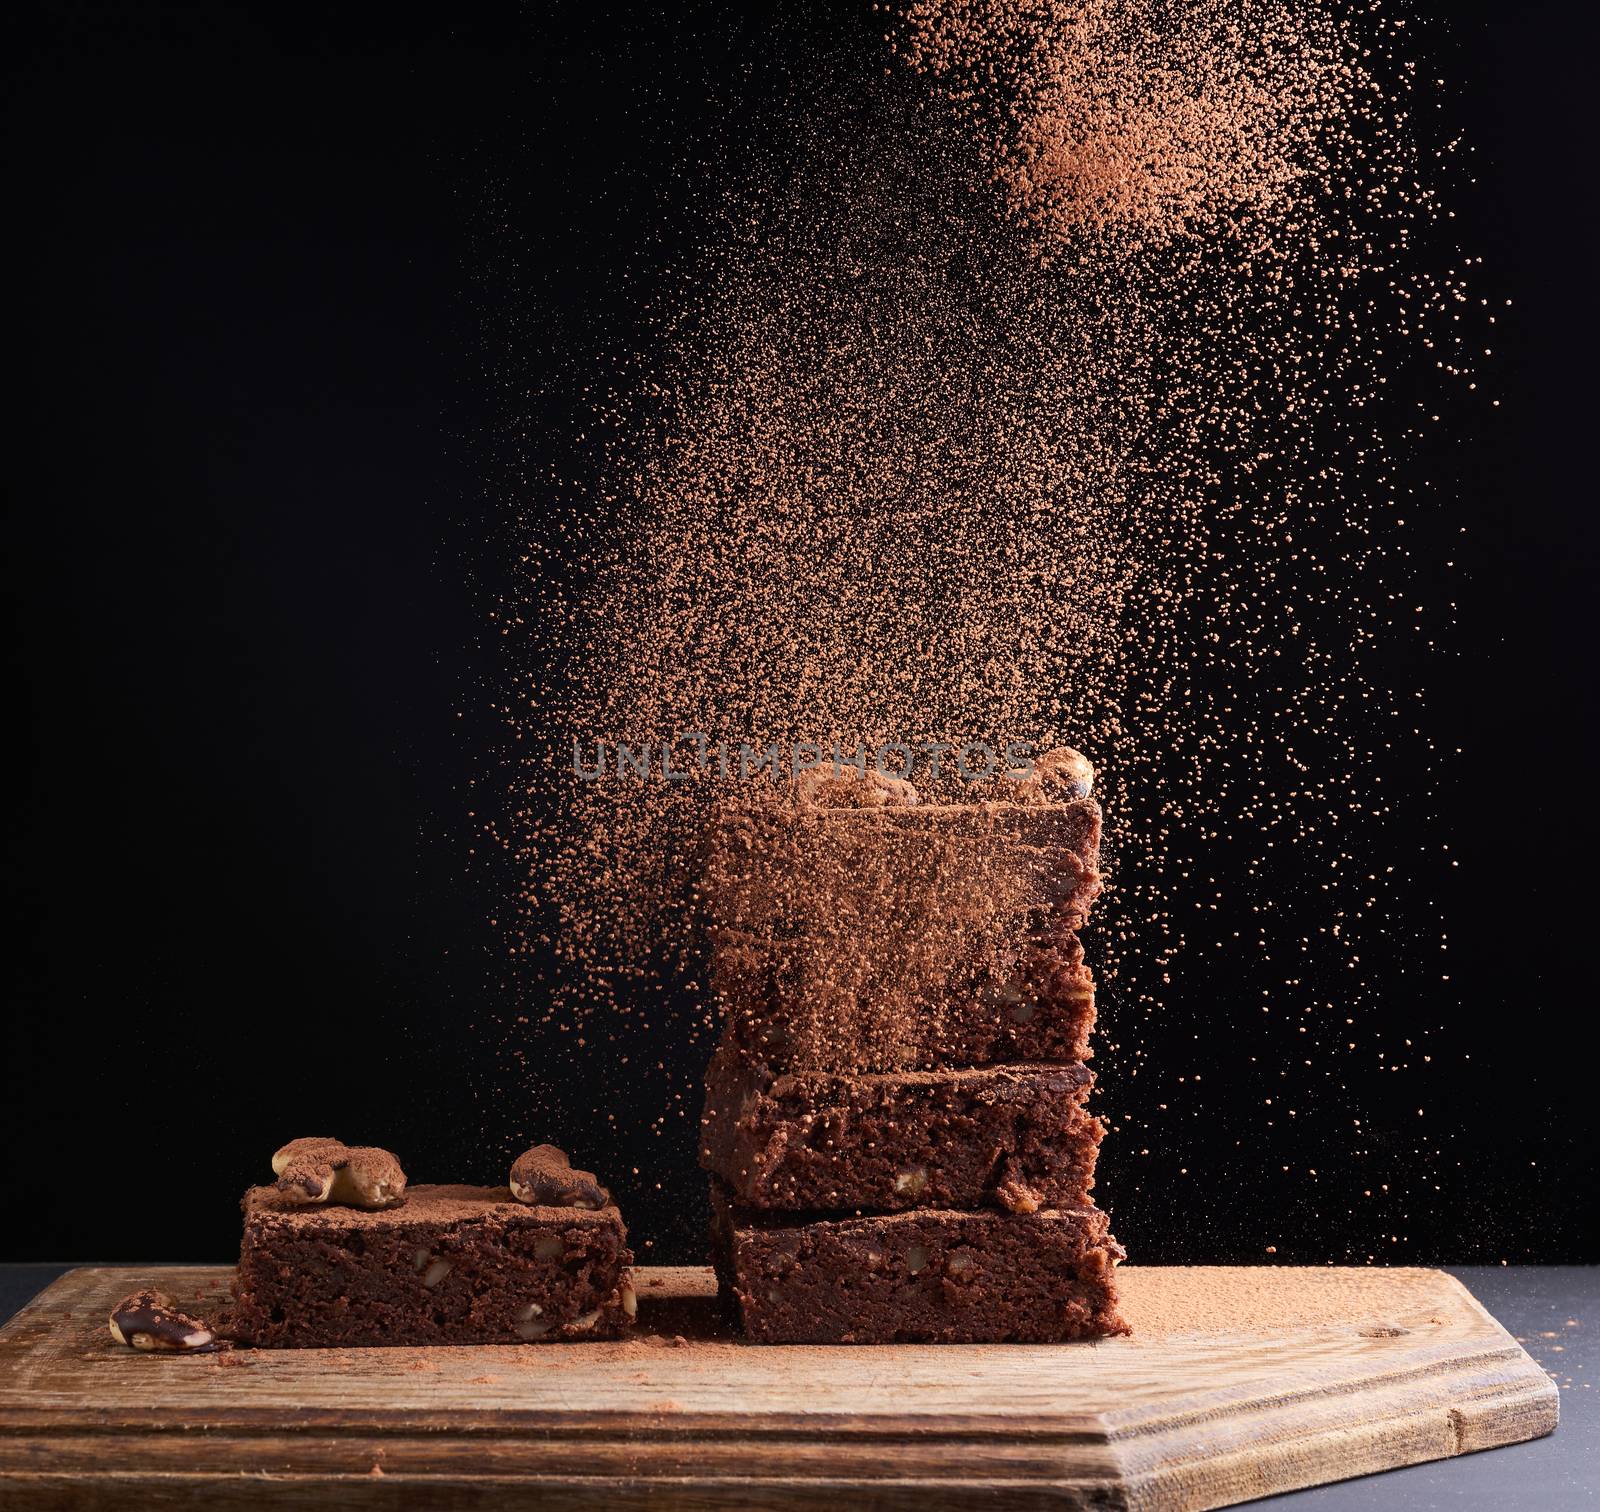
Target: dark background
298	294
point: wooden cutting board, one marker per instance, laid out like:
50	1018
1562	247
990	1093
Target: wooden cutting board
1238	1382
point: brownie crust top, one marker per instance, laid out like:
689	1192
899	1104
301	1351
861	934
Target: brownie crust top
427	1204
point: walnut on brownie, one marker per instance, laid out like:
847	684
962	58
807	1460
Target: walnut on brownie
318	1170
544	1177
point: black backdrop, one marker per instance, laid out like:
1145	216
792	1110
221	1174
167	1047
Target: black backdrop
277	269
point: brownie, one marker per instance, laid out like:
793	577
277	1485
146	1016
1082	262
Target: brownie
453	1265
886	938
1041	1012
780	862
927	1276
1016	1136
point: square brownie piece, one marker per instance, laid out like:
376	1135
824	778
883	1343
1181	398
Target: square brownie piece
452	1265
1038	1010
899	937
1017	1137
925	1276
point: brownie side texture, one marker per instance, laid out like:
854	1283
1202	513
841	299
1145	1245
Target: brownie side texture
925	1276
1054	847
1018	1137
453	1265
900	937
1041	1011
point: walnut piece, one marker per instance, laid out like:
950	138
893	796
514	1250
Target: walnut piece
962	1264
1058	776
150	1320
911	1182
318	1170
1014	1194
544	1177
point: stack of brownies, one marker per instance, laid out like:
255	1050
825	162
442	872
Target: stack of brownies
895	1115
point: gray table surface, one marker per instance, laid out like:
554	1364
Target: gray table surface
1553	1310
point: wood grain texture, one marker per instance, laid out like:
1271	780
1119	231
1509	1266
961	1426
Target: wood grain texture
1238	1382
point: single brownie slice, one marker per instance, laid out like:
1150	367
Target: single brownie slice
926	1276
1015	1136
774	862
1039	1011
887	938
453	1265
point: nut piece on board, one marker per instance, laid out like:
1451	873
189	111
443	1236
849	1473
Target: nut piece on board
316	1170
1058	776
544	1177
150	1320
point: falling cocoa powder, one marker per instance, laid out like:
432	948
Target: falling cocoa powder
1136	124
891	937
1036	390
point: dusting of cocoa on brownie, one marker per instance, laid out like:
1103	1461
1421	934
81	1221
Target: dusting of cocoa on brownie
887	937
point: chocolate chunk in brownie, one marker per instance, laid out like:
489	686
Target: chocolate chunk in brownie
1016	1136
883	938
926	1276
454	1265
